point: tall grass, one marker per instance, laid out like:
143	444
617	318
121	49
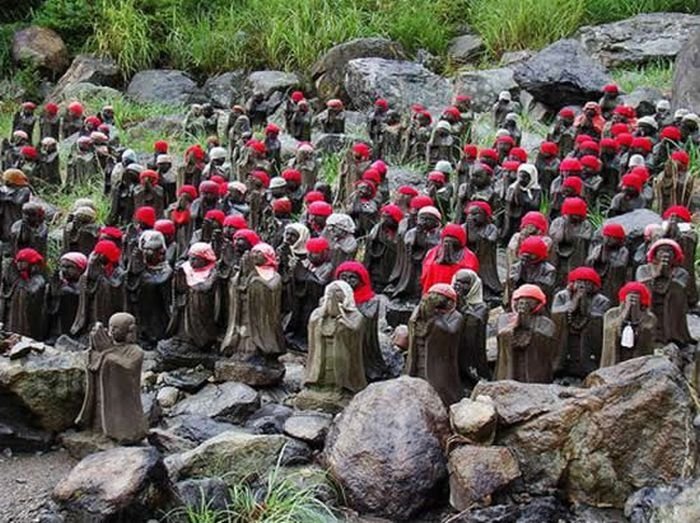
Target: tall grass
658	75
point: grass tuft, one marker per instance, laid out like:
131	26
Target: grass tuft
658	75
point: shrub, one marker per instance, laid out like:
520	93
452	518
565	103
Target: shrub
72	19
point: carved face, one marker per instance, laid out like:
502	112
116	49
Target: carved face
209	226
350	278
664	256
480	178
527	259
574	219
524	178
210	197
504	147
476	216
278	192
122	330
241	245
427	222
153	255
584	286
463	284
528	230
335	299
32	216
69	271
629	192
609	241
525	306
633	300
364	190
258	258
197	263
164	167
452	250
317	223
318	258
590	113
290	236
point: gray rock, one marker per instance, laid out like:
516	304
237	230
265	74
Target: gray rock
401	83
89	69
40	47
329	71
293	376
167	442
673	503
485	85
20	437
643	99
167	396
398	176
164	86
686	76
188	380
174	353
562	74
226	89
385	449
269	419
151	408
464	49
333	143
197	493
476	473
196	427
269	82
232	402
514	57
254	373
310	427
639	40
634	222
474	419
83	443
86	91
122	484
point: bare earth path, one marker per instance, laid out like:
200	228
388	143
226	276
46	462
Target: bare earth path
26	482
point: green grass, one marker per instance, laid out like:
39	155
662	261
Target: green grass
658	75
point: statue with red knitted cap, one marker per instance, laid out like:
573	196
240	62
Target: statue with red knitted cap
64	293
375	125
521	196
675	184
669	284
610	259
577	312
447	257
571	235
356	162
563	132
678	226
25	119
381	246
82	163
102	289
526	339
362	207
482	238
332	119
531	267
434	342
253	158
22	293
630	196
50	122
149	192
417	136
629	329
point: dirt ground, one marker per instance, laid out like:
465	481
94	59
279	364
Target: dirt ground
26	482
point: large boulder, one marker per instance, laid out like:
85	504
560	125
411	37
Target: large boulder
401	83
686	76
226	89
89	69
86	91
485	85
40	47
562	74
121	484
465	48
329	71
386	448
43	389
631	425
269	82
639	40
229	402
164	86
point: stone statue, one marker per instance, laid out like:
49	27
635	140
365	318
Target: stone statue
447	257
355	163
149	193
181	216
122	207
610	260
571	234
482	238
473	364
340	233
362	207
521	197
532	268
112	404
50	122
629	198
22	294
526	339
629	329
305	162
64	293
533	223
381	246
14	193
577	312
434	342
30	231
678	227
355	274
49	162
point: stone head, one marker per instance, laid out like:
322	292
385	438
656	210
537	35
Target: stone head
122	328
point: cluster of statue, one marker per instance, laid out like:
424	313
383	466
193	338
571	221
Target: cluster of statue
240	255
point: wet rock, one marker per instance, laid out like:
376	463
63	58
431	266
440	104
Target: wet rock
310	427
401	83
209	492
269	419
466	48
89	69
174	354
639	40
485	85
167	397
474	419
231	401
167	442
40	47
686	76
629	425
476	473
235	454
83	443
151	408
253	373
329	71
122	484
561	74
226	89
269	82
385	449
188	380
163	86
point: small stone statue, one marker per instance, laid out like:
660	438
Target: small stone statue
531	267
526	339
22	294
473	364
14	193
355	274
533	223
49	162
381	247
610	260
521	196
668	282
434	342
30	231
629	329
571	234
305	162
148	193
482	238
629	198
678	227
50	122
356	162
180	213
577	312
447	257
112	404
64	293
340	233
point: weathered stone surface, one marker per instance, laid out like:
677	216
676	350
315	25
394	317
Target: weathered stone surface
474	419
485	85
231	401
86	91
686	76
330	401
174	353
515	57
561	74
45	390
630	426
81	444
196	427
537	510
22	438
310	427
188	380
634	222
401	83
255	374
167	442
170	351
236	454
478	472
638	40
85	68
163	86
269	82
331	143
329	71
226	89
269	419
464	49
674	503
197	493
122	484
386	448
398	176
167	396
40	47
